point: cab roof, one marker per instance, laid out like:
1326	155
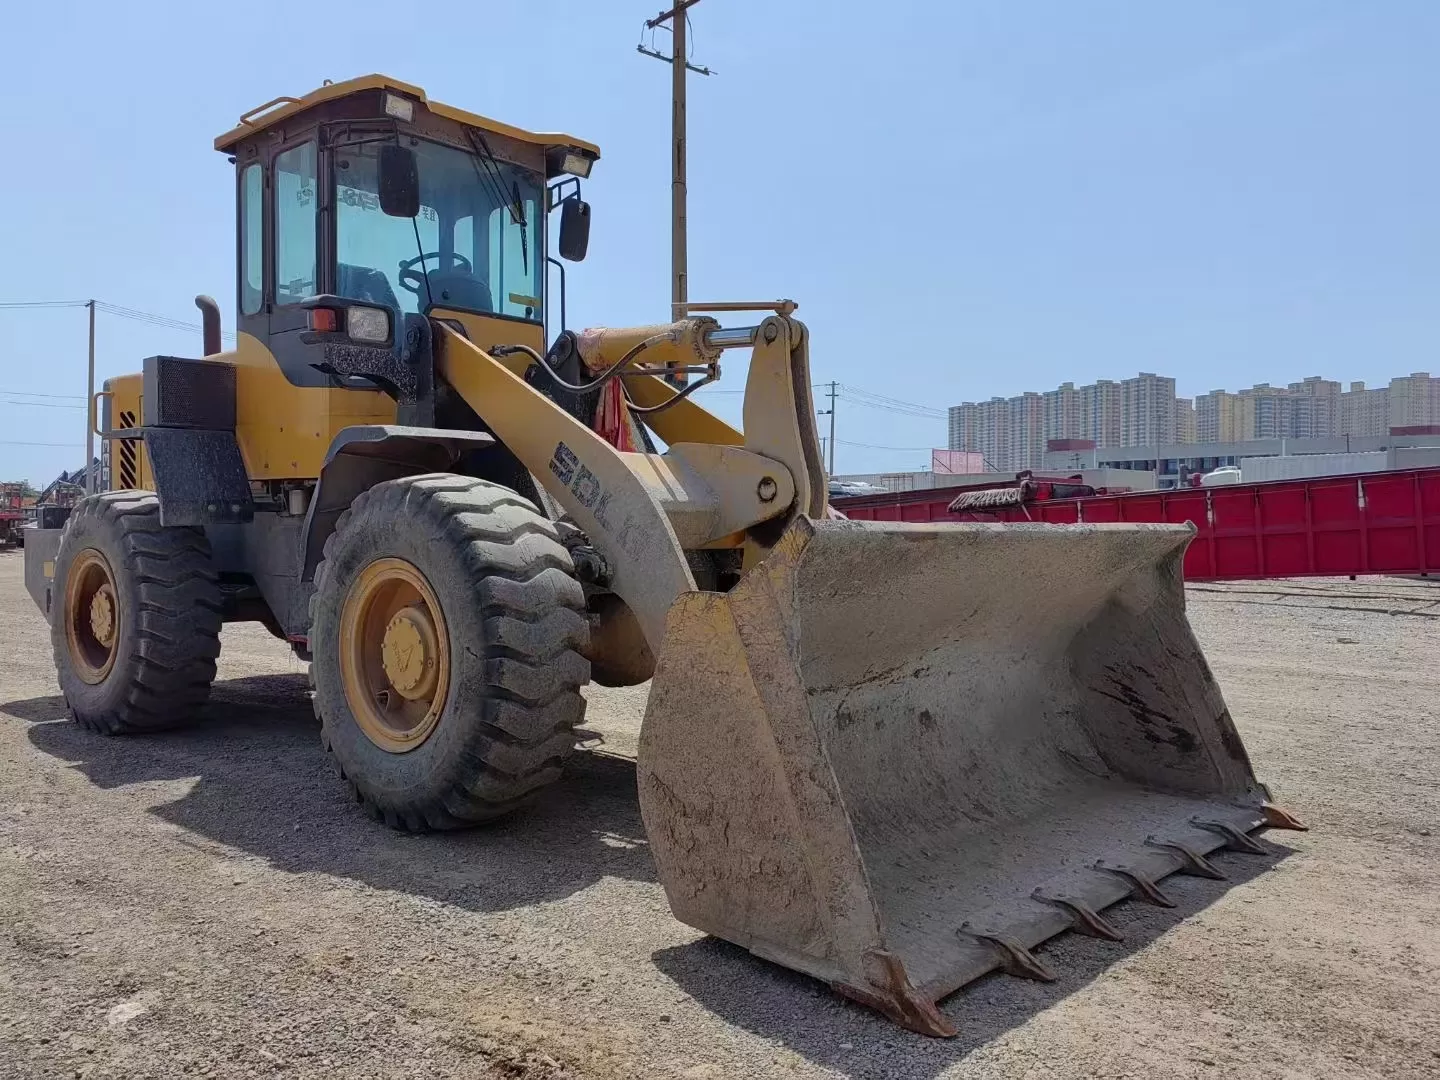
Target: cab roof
263	116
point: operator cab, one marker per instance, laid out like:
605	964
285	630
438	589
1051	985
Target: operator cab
473	224
363	207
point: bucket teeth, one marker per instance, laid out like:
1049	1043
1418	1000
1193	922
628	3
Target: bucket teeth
1235	840
1141	886
1015	959
1085	919
890	992
1277	818
1191	861
873	803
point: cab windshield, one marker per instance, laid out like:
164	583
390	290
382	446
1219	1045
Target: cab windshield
478	246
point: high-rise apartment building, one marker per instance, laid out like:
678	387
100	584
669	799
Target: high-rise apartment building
1261	412
1147	410
982	427
962	425
1012	432
1364	412
1143	411
1215	415
965	426
1311	408
1414	399
1324	410
1062	412
1184	420
1100	417
1027	431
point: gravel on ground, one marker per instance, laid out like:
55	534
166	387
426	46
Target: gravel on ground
208	903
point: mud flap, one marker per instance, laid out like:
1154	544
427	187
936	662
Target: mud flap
897	757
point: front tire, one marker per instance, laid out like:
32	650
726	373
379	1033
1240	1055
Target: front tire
136	614
447	627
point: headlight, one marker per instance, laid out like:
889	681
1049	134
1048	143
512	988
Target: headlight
576	163
368	324
401	108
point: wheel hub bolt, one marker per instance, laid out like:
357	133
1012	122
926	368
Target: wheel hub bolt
102	616
408	653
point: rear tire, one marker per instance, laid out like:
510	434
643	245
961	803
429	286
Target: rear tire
135	621
508	622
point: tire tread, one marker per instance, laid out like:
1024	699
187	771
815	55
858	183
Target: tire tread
533	616
171	662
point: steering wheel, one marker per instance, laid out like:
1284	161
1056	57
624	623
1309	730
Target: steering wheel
414	280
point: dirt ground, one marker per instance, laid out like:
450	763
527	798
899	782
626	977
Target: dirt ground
207	903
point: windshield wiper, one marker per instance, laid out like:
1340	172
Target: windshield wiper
519	208
492	178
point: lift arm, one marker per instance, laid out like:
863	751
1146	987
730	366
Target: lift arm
643	511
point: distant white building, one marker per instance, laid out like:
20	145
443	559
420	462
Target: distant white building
1143	411
1174	463
1012	432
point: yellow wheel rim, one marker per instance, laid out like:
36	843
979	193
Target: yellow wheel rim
92	616
394	655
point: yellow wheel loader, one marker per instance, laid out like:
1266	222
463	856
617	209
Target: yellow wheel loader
893	756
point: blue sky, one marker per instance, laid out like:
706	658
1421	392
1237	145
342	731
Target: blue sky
968	198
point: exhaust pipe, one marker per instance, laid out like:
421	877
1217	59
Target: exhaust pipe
209	323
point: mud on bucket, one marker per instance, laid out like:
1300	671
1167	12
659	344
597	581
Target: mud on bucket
899	756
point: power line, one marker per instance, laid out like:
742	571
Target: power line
889	405
889	400
710	390
40	404
31	393
145	316
872	446
914	413
152	319
856	396
67	445
118	310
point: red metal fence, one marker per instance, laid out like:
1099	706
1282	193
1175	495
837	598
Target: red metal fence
1368	523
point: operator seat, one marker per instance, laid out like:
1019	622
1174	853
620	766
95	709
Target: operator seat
456	288
364	283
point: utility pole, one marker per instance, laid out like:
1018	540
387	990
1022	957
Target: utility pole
676	17
830	469
90	408
830	443
679	253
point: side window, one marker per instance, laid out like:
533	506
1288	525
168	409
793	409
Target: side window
513	275
252	274
464	237
295	224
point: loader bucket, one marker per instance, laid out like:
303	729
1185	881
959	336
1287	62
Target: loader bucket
900	756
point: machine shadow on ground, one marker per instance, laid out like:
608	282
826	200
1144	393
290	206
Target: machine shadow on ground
810	1019
264	785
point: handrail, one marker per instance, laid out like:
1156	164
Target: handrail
247	119
95	413
779	307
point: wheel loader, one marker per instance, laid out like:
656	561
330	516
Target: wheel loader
893	756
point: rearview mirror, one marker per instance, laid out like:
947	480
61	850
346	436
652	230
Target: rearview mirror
399	182
574	229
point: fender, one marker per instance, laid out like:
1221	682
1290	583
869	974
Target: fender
362	456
